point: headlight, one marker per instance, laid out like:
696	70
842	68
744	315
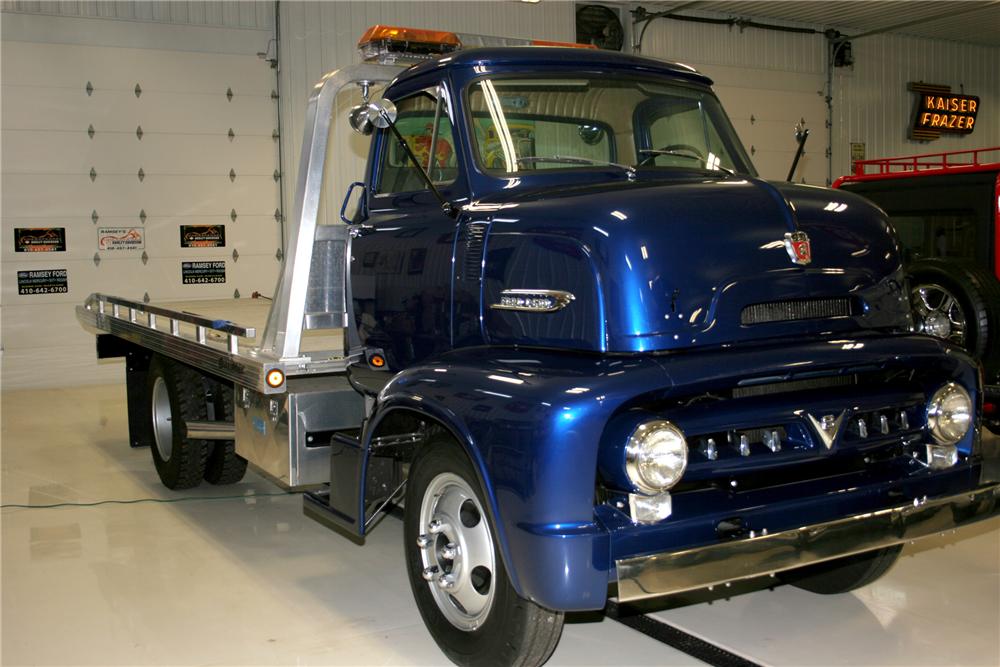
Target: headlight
949	414
655	456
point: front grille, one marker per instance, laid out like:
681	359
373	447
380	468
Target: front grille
795	386
801	309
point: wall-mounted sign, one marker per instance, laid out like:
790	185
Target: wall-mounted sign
47	281
121	238
39	239
939	110
203	236
202	273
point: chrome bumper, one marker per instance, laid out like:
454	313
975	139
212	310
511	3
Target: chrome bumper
662	574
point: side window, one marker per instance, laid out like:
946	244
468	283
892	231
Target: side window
422	120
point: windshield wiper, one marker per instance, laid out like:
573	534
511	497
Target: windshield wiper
572	159
653	152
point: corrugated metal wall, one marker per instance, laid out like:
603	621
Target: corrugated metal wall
232	14
872	104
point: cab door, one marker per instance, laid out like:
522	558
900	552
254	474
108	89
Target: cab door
401	269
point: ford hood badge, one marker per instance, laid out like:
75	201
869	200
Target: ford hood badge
797	245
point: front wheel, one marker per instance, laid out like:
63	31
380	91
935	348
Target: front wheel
843	574
457	574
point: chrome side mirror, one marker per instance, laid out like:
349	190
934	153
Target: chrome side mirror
365	117
358	118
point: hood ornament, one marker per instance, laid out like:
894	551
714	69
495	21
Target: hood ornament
797	245
827	427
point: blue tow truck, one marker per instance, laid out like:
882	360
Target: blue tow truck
574	336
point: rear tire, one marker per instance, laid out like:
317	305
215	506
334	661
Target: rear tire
224	465
175	395
843	574
958	303
478	619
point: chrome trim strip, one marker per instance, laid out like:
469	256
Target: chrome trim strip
665	573
560	299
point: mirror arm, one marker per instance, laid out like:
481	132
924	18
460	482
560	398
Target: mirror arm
449	209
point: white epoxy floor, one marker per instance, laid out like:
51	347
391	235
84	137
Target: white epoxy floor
251	581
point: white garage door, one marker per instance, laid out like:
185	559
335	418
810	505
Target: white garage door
135	172
765	106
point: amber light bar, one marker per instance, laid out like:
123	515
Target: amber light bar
389	44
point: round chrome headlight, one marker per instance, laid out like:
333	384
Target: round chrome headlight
949	414
655	456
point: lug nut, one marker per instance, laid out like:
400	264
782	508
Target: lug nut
423	541
446	582
429	572
435	526
450	551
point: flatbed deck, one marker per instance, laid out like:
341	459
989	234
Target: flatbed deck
217	335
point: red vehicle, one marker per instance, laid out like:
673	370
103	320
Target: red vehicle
946	209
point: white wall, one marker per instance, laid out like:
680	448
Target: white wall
184	70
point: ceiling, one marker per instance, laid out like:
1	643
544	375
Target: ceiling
969	21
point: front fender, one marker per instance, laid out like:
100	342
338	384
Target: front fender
530	423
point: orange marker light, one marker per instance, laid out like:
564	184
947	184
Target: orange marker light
377	361
275	378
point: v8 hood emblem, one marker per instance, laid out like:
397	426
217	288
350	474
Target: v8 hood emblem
827	427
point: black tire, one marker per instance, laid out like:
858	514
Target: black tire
224	465
977	293
843	574
175	395
511	630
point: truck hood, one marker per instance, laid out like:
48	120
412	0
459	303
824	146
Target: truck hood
678	262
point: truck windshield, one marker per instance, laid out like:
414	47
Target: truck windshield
530	124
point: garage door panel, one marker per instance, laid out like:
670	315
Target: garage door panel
61	109
63	365
120	69
41	195
30	323
774	165
161	277
40	151
160	238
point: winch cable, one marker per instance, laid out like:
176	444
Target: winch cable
672	636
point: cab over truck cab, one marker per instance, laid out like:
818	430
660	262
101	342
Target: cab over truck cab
583	344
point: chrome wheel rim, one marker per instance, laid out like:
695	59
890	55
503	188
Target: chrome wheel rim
456	551
938	313
163	428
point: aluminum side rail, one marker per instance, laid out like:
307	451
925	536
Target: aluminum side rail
206	344
283	333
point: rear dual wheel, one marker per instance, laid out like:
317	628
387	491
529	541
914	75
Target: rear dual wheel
457	575
177	394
